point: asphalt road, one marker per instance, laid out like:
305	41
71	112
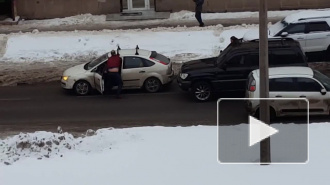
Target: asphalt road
46	106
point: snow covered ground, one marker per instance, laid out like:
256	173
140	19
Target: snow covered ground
43	56
58	46
149	155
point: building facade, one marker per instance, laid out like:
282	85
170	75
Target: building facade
43	9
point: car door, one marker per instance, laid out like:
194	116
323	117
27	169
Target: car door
134	71
296	32
98	78
234	74
284	87
318	36
311	89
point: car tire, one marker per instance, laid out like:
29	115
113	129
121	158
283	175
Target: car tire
272	114
82	88
152	85
202	91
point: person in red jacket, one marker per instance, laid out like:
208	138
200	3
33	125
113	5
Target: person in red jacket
113	76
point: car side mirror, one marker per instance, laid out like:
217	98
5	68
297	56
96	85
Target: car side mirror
323	91
284	34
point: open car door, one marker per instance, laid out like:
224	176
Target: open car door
99	82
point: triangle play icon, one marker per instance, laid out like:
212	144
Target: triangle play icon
259	131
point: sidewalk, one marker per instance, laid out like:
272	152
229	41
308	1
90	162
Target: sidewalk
125	25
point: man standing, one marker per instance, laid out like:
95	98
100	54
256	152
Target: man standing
113	76
198	11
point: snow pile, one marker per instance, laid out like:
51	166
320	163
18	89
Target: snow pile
73	20
70	46
24	57
38	145
41	145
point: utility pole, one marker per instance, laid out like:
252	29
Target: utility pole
264	78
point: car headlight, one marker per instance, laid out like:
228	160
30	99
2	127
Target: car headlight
183	75
65	78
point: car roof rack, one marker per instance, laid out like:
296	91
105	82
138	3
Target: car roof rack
118	48
309	18
274	39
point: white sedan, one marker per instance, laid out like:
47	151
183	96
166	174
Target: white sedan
140	69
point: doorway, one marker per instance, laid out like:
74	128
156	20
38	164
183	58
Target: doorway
137	5
6	9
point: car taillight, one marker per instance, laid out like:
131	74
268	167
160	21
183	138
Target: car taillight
252	87
158	61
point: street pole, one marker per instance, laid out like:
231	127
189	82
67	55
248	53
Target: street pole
264	78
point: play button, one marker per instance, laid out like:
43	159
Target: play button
259	131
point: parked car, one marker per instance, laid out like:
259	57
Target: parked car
291	82
229	71
310	28
140	69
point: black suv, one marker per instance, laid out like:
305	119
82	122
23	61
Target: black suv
229	71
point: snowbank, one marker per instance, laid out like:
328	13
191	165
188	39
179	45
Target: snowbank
158	155
70	46
23	56
41	145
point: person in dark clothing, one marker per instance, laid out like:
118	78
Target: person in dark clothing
113	76
234	41
198	11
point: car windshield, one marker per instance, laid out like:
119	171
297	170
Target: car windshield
275	28
323	79
96	62
222	55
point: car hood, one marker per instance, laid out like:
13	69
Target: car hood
207	63
253	34
78	69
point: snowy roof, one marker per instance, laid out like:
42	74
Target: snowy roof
278	71
308	14
125	52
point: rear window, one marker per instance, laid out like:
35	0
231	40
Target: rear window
160	57
282	57
318	26
282	85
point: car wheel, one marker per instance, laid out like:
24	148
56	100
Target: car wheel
82	88
202	91
152	85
